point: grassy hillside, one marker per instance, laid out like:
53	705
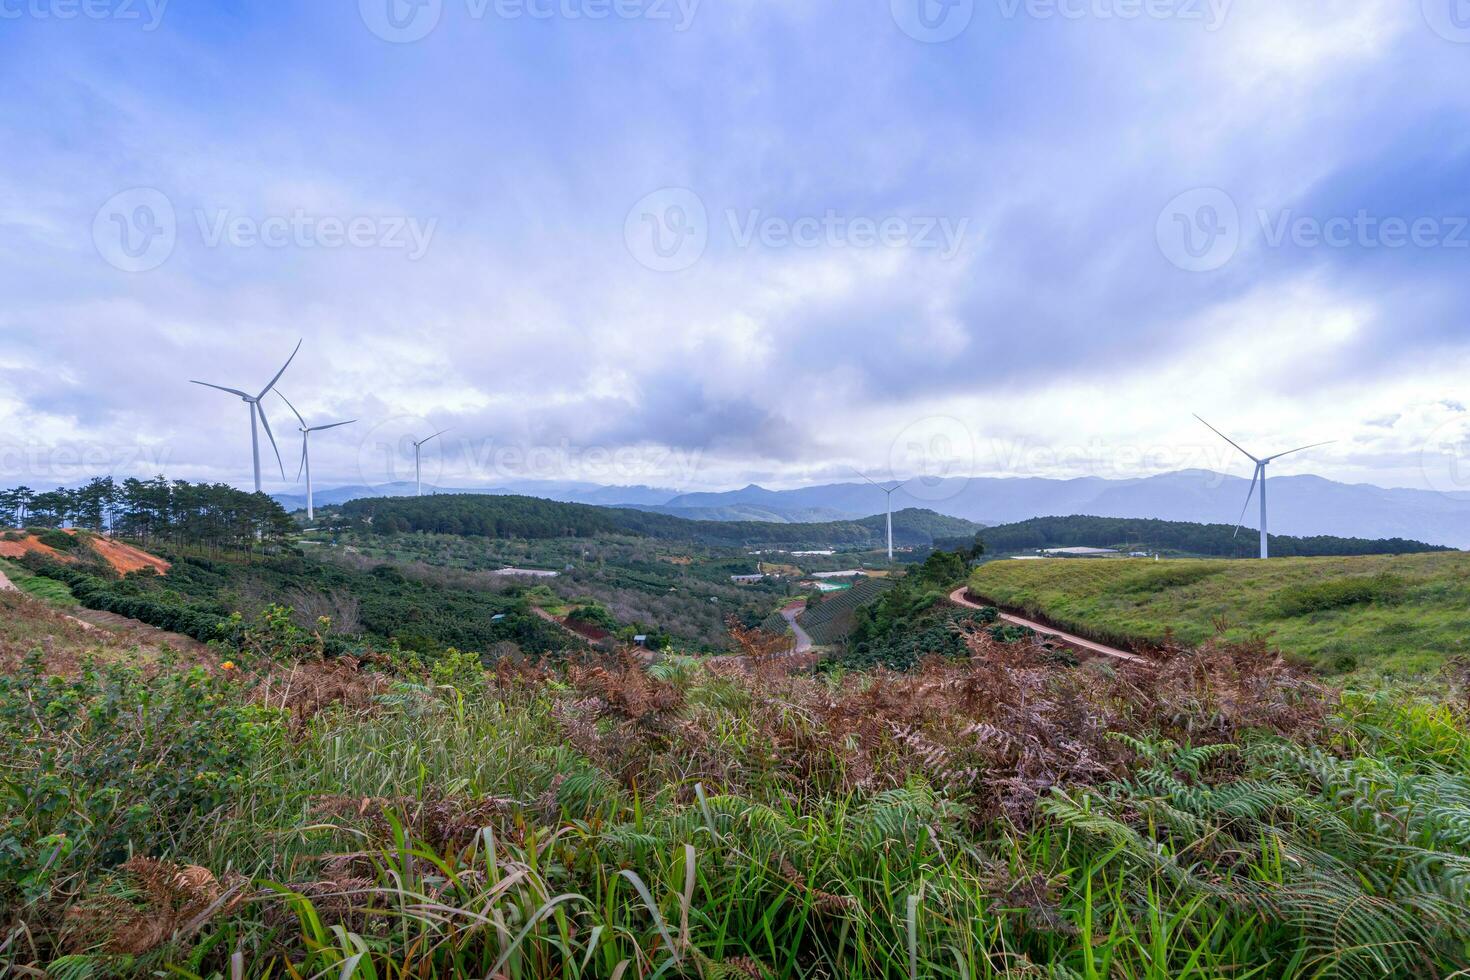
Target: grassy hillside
477	515
1182	537
1396	614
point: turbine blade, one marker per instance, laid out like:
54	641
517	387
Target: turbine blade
1227	439
270	435
267	389
866	477
324	428
1240	522
1315	445
293	410
233	391
432	437
301	465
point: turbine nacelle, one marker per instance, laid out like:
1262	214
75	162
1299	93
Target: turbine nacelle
257	408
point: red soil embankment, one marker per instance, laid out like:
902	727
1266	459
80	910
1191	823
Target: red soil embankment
124	558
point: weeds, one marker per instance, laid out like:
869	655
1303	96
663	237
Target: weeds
995	816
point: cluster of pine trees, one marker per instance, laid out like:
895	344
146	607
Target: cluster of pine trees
214	517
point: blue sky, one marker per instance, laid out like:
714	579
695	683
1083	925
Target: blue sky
697	244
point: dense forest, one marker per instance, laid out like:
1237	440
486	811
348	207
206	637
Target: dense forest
213	517
1210	540
479	515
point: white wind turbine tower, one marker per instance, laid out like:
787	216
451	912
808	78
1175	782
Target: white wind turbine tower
887	492
418	484
257	410
306	431
1259	477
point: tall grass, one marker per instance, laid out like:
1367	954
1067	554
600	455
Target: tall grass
704	822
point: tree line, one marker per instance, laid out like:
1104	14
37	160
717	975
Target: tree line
495	516
1210	540
213	517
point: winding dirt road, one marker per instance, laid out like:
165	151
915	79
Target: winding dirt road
803	639
961	597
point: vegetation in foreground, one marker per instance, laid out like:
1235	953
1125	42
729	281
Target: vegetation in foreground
1397	615
284	814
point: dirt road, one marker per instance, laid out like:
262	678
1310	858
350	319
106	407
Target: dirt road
803	639
961	597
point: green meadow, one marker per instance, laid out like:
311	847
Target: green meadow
1389	614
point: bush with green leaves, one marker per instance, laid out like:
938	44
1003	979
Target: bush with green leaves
1303	600
112	763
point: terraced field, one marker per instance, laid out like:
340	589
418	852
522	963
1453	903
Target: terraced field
831	620
1398	615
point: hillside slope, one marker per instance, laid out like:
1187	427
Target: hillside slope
1391	614
475	515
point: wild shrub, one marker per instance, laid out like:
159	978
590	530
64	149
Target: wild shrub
112	763
1170	576
1303	600
58	540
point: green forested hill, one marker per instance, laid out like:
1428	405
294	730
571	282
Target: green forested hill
1211	540
476	515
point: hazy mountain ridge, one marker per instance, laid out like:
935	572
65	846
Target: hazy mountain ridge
1299	505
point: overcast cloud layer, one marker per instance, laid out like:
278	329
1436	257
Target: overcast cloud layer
698	244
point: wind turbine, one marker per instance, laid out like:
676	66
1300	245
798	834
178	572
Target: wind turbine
888	492
257	410
306	431
1259	477
418	485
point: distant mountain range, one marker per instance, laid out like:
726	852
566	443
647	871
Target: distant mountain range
1300	505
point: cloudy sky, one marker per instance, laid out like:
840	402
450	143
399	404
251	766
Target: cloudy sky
698	243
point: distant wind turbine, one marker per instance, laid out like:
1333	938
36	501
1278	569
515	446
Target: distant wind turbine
1259	477
306	431
418	484
888	492
257	410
